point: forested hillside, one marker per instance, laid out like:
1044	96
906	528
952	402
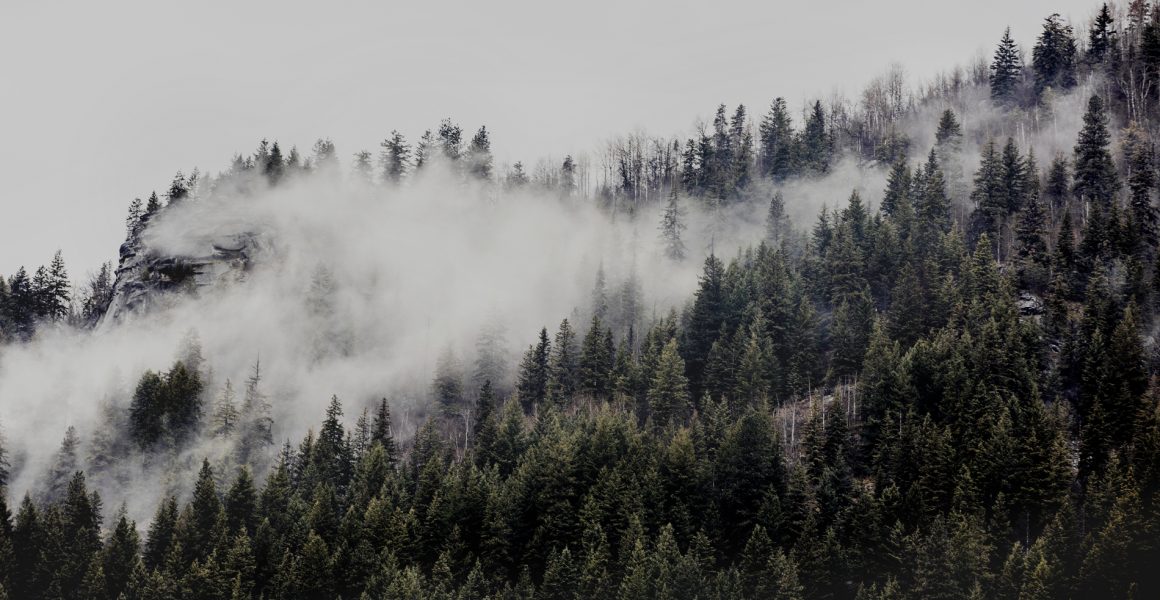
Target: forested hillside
944	388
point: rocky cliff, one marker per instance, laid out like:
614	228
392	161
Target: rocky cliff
147	275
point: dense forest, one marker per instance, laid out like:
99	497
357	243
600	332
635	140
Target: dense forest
953	393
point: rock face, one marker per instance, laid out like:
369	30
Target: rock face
146	276
1030	305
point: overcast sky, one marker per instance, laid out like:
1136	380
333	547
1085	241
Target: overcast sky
104	101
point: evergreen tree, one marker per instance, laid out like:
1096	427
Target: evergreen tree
534	372
479	155
395	157
225	413
596	360
671	228
815	147
1095	173
447	387
668	393
563	365
254	419
383	434
705	321
776	222
1101	36
1141	161
776	143
450	140
1006	71
1053	57
949	131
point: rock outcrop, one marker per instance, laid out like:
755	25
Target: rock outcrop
146	276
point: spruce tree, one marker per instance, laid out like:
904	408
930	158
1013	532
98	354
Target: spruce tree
898	187
1101	37
382	432
1141	161
777	224
1095	173
563	365
668	393
815	147
394	158
705	320
672	225
1053	57
533	377
776	143
1006	71
479	155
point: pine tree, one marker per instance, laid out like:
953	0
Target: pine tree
949	131
932	208
450	140
898	187
447	386
776	222
65	464
1141	161
668	393
160	537
563	365
568	176
120	555
815	147
133	222
533	376
199	527
254	420
990	196
853	321
56	290
395	157
596	356
423	149
274	168
1101	37
241	503
1032	256
383	434
1006	71
1053	57
671	227
776	143
362	170
1095	173
479	155
705	321
225	413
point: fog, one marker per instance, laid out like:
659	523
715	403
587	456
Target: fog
355	289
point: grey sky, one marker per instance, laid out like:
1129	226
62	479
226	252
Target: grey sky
101	102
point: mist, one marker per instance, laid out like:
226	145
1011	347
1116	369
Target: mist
355	289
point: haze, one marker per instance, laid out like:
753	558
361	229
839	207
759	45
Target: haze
104	103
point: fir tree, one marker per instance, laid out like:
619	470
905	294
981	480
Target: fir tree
671	227
1006	70
1053	57
1101	37
533	377
479	155
668	393
776	143
776	222
382	432
394	158
1095	173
